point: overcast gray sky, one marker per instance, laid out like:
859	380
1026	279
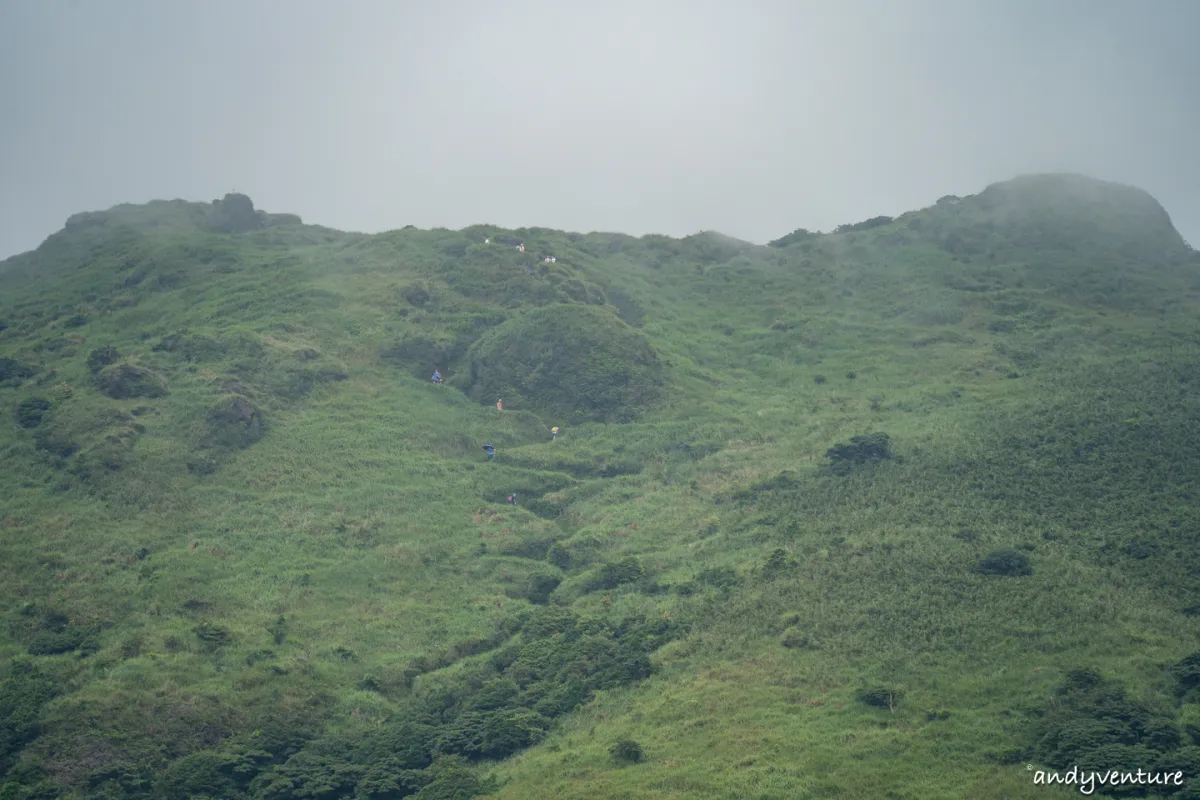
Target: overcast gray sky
750	117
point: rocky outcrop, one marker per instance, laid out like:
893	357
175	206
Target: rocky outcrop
234	214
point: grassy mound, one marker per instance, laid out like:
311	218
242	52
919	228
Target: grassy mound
577	362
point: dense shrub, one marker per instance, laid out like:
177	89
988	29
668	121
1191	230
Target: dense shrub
778	564
30	411
610	576
626	751
859	450
798	235
1187	673
1012	563
1092	724
489	711
13	371
234	422
101	357
793	637
865	225
57	444
23	691
539	587
123	381
880	697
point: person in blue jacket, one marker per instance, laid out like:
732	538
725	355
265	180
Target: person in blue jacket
437	376
491	451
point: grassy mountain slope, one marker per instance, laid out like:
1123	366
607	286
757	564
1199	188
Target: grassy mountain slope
248	550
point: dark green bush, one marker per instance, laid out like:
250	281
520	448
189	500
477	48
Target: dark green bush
860	450
559	556
1187	673
48	643
880	697
610	576
13	371
56	443
234	422
778	564
122	381
30	411
540	586
495	694
793	637
1011	563
506	732
626	751
865	225
451	779
23	691
1093	724
798	235
212	636
101	357
719	577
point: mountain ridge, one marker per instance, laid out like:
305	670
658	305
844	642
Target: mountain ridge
810	504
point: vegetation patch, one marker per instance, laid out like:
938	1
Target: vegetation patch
234	422
571	361
859	450
1009	563
12	371
31	410
123	381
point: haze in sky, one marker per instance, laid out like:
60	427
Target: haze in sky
752	117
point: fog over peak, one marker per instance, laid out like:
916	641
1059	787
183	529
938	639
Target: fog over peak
750	118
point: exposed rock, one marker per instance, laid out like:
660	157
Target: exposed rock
234	214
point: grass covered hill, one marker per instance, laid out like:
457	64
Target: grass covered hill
896	511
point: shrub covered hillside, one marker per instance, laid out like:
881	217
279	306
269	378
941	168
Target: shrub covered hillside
906	510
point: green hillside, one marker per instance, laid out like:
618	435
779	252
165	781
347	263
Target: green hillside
906	510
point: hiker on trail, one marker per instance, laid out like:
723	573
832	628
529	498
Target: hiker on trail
499	405
437	376
521	247
487	241
512	499
554	433
491	451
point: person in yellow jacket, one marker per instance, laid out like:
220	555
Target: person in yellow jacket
554	433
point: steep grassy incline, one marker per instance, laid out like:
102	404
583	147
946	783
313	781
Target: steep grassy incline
892	511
